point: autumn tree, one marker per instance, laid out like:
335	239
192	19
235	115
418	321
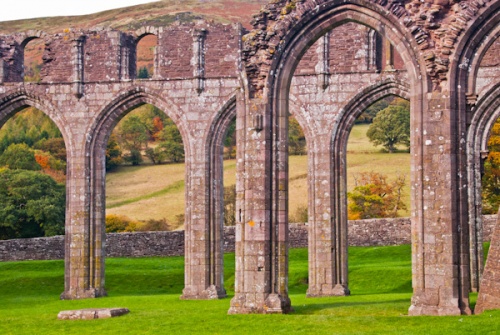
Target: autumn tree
491	177
374	197
391	126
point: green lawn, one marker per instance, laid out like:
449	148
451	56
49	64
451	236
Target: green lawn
380	281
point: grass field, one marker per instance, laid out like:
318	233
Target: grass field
157	191
380	282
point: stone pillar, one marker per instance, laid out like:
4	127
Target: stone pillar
203	226
489	292
78	62
475	173
84	238
198	60
439	266
327	224
389	56
262	229
323	67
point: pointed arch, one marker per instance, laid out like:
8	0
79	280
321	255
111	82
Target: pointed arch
269	95
470	50
91	235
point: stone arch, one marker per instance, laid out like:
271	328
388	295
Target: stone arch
215	198
85	273
13	102
278	89
486	113
340	136
470	50
269	95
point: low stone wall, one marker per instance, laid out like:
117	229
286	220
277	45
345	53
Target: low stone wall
376	232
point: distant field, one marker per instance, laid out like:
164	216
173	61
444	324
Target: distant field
157	191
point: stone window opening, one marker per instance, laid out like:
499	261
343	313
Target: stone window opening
33	50
146	56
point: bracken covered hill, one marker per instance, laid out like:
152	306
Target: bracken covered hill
159	13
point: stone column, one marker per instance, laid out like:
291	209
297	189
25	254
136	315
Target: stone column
327	224
262	228
489	293
78	89
198	60
84	238
322	68
440	268
203	225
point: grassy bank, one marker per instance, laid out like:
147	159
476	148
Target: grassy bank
380	281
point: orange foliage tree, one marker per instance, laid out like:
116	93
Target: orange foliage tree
374	197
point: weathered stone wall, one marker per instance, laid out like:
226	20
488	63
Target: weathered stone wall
377	232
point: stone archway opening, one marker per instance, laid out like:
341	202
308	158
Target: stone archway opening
33	168
145	173
146	56
34	49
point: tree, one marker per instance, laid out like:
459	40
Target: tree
133	133
31	204
113	153
171	142
374	197
230	205
157	155
491	177
54	145
143	73
369	113
230	140
19	156
390	127
296	138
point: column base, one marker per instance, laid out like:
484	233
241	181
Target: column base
211	293
249	304
338	290
429	304
83	294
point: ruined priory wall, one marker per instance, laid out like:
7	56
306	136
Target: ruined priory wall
377	232
109	55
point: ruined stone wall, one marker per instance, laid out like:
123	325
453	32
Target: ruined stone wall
377	232
348	48
109	55
176	59
347	51
57	60
101	56
492	58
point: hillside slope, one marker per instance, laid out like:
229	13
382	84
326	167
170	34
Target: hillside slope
159	13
